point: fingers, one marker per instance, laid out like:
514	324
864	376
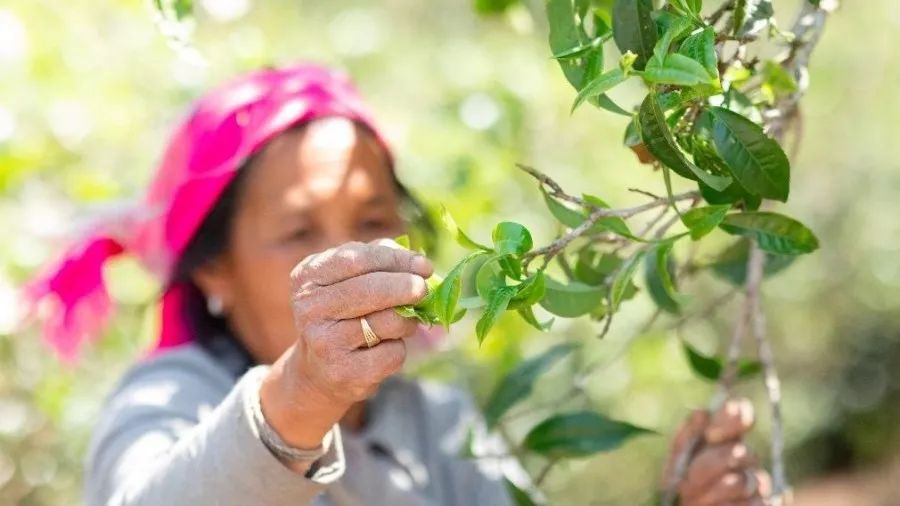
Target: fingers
713	462
738	487
351	376
386	323
381	361
731	422
361	295
356	259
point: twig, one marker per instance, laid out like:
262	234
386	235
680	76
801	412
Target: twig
718	13
770	374
555	189
545	471
596	214
645	192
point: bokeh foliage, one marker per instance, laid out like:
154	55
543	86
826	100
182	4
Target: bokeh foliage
89	91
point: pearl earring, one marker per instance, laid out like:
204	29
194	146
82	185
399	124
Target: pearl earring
215	305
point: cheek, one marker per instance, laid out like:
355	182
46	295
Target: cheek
263	300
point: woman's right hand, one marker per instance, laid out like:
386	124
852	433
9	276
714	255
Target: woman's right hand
329	368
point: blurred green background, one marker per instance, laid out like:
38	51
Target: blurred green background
89	91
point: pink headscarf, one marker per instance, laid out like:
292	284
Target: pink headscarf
225	127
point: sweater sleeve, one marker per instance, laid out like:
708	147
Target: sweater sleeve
179	432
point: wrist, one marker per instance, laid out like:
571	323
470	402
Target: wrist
299	413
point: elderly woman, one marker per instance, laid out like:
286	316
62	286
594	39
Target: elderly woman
274	379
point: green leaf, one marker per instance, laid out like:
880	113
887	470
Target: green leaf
497	303
777	82
529	292
527	314
446	295
678	26
665	299
565	215
659	141
593	269
703	220
664	269
756	161
605	82
518	384
623	278
566	33
402	240
493	6
489	277
511	238
701	47
572	299
572	218
583	49
711	368
611	223
676	69
731	264
519	496
775	233
634	29
461	238
579	434
694	5
606	103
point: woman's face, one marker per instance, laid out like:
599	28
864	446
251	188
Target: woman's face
309	189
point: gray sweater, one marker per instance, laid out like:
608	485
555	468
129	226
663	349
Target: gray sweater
178	431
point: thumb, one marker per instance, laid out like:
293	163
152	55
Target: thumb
685	443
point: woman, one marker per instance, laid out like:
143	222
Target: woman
274	378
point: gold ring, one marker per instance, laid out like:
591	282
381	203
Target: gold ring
371	337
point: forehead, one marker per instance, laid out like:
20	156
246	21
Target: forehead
326	159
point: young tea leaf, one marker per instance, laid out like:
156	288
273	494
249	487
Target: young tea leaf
605	82
461	238
527	314
676	28
511	238
701	47
676	69
497	303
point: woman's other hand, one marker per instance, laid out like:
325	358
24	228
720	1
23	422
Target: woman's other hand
722	470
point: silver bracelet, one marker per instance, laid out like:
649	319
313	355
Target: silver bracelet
282	450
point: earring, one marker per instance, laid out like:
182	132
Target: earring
215	305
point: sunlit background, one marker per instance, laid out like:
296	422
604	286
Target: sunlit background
89	91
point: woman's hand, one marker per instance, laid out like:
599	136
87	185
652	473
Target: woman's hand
722	470
329	368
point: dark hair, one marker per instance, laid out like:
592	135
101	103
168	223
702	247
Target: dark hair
212	239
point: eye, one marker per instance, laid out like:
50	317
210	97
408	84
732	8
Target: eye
374	223
299	234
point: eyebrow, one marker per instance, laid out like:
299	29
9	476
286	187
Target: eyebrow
304	210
